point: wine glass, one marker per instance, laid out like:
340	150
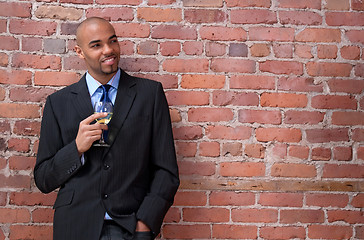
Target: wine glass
106	107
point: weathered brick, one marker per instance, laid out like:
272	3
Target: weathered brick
327	200
355	36
271	34
16	110
299	84
233	65
31	27
321	154
293	170
217	33
337	4
19	215
278	134
21	163
30	94
59	12
31	44
174	32
346	86
37	61
283	100
327	51
303	117
15	9
300	18
281	67
31	199
333	102
9	43
357	5
55	78
225	132
350	52
148	48
19	77
215	49
319	35
189	198
210	114
170	48
186	149
345	18
315	4
43	215
252	82
27	128
302	216
112	14
254	215
231	231
301	152
55	46
186	65
238	50
202	3
283	50
327	135
248	3
191	231
329	69
253	16
260	116
260	50
231	149
303	51
160	14
209	149
132	30
358	201
285	232
281	199
197	168
224	98
202	81
39	232
330	232
204	15
343	171
187	132
197	98
139	64
242	169
193	48
254	151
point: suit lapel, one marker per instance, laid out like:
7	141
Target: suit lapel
82	101
123	102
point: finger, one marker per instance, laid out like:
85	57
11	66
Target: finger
93	117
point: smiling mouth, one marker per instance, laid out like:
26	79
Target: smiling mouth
109	60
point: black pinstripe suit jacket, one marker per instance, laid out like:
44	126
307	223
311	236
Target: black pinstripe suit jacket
136	178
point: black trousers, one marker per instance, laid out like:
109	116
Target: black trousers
112	231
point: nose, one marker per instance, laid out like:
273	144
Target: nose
107	49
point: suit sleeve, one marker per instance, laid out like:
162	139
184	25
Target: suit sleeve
56	162
165	180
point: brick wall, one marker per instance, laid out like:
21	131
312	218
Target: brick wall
266	98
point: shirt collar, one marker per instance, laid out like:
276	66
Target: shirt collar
93	84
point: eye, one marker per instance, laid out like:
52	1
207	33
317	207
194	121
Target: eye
95	45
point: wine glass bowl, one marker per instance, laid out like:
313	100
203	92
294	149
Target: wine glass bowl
103	107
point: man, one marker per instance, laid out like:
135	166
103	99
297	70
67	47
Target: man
118	192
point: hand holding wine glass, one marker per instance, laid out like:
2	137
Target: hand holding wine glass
105	107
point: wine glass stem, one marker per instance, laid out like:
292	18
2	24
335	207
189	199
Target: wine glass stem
102	137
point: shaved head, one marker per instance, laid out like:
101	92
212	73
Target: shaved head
86	24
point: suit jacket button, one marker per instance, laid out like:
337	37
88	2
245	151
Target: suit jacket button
105	196
106	167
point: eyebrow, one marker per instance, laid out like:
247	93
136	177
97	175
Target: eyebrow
97	41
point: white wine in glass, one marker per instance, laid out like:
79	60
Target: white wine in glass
103	107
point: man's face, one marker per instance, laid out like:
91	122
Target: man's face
99	47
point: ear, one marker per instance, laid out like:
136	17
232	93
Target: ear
79	52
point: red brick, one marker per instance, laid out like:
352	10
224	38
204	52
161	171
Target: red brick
189	198
293	170
4	59
170	48
5	126
27	128
357	5
302	216
120	2
254	151
217	33
253	16
280	150
281	199
174	32
140	64
303	51
191	98
175	115
15	110
299	18
31	27
350	52
327	51
39	232
19	144
330	232
337	4
132	30
271	34
21	163
203	3
31	44
355	36
203	81
260	50
204	15
248	3
281	67
347	86
3	196
19	215
327	135
32	198
254	215
287	232
343	153
223	231
197	168
30	94
227	132
187	132
228	198
359	232
9	43
358	135
260	116
15	181
37	61
233	65
214	49
238	50
148	48
215	215
193	48
358	201
319	35
344	18
283	100
283	50
55	78
327	200
43	215
303	117
3	27
224	98
111	14
194	231
15	9
359	70
360	153
242	169
210	114
159	14
209	149
186	65
18	77
77	1
333	102
257	82
161	2
232	149
343	171
74	63
329	69
278	134
173	215
315	4
321	154
186	149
